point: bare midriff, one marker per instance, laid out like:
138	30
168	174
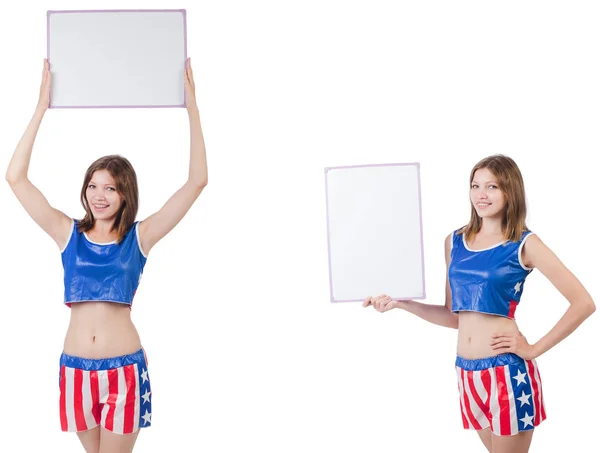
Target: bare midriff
101	330
475	332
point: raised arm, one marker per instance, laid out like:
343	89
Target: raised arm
537	254
155	227
437	314
51	220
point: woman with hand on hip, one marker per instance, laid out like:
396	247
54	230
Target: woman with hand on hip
487	263
105	393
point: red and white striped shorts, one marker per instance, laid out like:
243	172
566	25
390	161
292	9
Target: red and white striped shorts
503	392
113	392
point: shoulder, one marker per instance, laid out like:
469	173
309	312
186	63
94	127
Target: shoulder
527	236
454	236
132	230
448	241
131	234
79	227
451	241
519	242
72	231
530	240
139	228
532	248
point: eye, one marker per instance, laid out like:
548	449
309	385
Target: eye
492	186
111	188
474	186
91	186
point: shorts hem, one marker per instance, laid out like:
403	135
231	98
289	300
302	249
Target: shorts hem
99	424
468	428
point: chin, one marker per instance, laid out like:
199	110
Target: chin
103	216
489	215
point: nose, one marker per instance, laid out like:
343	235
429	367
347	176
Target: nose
481	192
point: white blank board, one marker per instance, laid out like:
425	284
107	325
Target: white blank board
375	234
117	58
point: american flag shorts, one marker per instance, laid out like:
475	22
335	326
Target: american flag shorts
503	393
113	392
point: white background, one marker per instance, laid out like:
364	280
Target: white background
246	352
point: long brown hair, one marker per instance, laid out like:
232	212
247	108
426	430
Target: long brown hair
511	184
126	181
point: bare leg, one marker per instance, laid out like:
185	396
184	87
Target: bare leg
90	439
486	437
117	443
512	444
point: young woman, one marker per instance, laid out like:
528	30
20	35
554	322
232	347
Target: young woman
487	262
104	385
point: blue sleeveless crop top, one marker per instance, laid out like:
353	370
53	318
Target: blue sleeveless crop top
108	272
489	280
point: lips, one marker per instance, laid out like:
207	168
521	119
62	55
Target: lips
100	207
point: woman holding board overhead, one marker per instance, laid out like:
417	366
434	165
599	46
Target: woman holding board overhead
488	261
105	393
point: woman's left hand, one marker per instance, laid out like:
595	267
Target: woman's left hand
515	343
190	86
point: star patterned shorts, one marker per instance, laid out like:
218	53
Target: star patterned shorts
112	392
503	392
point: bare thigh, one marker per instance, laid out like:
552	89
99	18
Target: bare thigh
117	443
518	443
486	437
90	439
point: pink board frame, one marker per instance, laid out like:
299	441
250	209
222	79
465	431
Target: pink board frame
331	298
182	11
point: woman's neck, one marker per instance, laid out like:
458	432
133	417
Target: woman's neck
491	227
103	228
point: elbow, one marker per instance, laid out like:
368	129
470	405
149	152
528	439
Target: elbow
587	308
12	179
15	174
452	325
199	186
591	307
200	183
454	320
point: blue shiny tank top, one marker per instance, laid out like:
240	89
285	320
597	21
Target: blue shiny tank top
489	280
108	272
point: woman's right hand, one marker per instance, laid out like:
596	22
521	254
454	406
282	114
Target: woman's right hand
44	100
381	303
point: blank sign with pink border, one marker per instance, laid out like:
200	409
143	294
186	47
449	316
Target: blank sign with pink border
374	231
117	58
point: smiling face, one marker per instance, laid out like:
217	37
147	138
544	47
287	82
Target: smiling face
486	196
102	196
